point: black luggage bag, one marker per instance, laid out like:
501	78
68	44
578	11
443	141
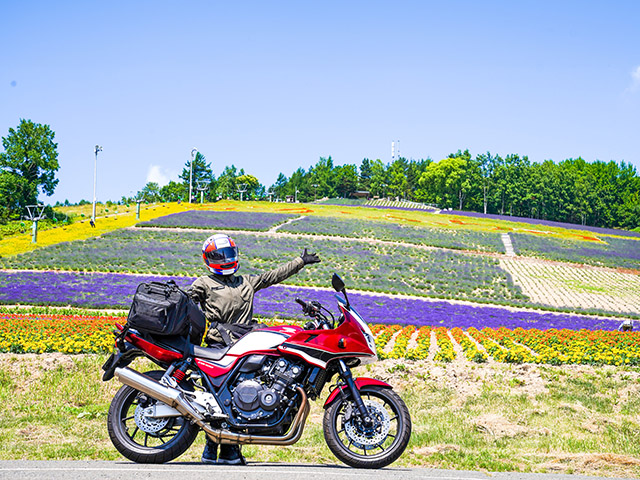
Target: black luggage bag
163	309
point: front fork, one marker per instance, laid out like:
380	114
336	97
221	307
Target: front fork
345	373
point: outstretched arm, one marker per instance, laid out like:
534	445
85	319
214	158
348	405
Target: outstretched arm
285	271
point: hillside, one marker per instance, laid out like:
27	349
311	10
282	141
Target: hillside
465	328
412	253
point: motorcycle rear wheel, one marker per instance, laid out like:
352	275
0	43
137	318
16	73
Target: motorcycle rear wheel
374	446
146	440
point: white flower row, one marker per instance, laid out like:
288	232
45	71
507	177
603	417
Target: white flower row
578	287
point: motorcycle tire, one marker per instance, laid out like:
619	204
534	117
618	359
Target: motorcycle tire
373	446
145	440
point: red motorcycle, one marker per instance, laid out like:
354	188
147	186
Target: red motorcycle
257	391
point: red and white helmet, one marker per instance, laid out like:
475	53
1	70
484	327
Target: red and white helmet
220	254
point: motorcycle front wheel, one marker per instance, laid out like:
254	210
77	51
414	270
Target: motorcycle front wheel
368	446
145	439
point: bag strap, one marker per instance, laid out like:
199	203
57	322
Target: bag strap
164	288
158	288
223	330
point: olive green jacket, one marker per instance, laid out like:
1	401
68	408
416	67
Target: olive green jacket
229	298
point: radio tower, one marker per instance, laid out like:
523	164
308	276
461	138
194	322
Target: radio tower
395	150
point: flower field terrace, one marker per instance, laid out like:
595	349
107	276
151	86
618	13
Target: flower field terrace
363	266
72	334
29	333
113	290
547	223
21	243
565	346
398	230
76	289
608	251
219	220
584	289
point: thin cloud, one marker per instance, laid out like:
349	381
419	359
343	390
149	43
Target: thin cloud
635	79
159	175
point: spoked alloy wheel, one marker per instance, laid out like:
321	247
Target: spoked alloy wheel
368	446
144	439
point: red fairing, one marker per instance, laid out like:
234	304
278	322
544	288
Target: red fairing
321	346
154	351
328	340
360	382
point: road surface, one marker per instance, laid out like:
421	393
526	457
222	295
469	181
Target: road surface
120	470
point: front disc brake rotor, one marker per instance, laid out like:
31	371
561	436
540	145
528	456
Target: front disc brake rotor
368	437
146	422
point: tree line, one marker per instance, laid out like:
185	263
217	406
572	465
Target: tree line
604	194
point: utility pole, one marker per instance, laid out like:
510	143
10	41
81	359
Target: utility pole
241	189
34	213
194	152
95	181
138	202
315	191
202	187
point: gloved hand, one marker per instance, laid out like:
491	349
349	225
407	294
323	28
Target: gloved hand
308	258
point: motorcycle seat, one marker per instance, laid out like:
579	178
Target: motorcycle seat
209	353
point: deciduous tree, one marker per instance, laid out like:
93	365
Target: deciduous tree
28	165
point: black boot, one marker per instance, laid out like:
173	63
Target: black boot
231	455
210	452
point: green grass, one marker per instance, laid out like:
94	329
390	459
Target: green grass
491	417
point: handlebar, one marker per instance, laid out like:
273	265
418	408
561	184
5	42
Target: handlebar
313	310
303	303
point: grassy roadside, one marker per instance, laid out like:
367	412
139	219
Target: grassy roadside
571	419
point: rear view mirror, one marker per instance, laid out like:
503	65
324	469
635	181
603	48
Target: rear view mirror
337	283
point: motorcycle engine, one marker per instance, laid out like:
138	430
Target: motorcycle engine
263	386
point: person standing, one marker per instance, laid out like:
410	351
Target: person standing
227	302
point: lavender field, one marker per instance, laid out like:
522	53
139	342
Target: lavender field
112	290
616	252
215	220
394	269
548	223
358	228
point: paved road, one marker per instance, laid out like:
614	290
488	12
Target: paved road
95	470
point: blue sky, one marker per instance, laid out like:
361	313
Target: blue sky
272	86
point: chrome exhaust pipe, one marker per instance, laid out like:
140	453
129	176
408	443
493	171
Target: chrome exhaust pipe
169	395
175	398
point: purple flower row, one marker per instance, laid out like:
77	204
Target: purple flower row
101	290
548	223
358	228
213	220
396	269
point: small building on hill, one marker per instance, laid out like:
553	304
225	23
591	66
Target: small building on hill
361	194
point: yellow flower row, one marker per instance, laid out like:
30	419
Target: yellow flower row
82	230
56	333
35	333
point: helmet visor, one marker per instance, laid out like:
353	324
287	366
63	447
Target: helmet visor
222	255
